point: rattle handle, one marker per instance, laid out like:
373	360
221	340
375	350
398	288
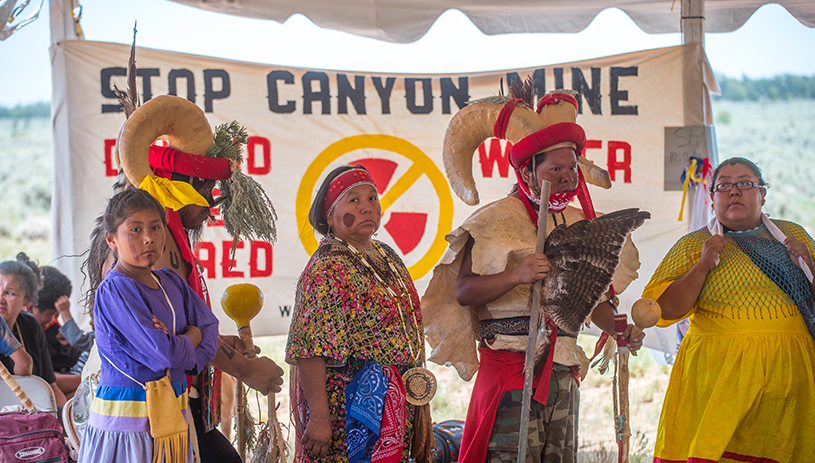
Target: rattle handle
245	333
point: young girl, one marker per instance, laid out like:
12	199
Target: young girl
148	324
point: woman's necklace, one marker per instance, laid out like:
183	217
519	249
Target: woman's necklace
389	289
420	383
20	335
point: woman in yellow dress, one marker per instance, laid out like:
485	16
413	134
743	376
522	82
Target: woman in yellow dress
743	385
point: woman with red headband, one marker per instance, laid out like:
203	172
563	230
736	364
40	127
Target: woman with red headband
479	294
356	330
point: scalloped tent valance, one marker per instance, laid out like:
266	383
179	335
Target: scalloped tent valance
408	20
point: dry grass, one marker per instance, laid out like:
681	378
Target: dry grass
597	444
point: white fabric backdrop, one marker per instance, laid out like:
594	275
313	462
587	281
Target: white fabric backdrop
305	122
408	20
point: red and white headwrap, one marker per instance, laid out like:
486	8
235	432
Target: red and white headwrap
343	183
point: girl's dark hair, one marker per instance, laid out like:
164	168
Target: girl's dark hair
28	274
92	267
123	204
742	161
54	286
316	215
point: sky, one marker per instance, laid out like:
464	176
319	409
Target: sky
772	42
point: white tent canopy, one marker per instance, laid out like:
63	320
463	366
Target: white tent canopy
408	20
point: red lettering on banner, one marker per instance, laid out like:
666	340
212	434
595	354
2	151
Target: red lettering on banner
216	212
227	263
496	156
209	262
266	155
614	164
110	169
592	145
256	248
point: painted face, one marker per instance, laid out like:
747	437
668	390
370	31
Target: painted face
559	167
738	209
139	240
356	216
193	216
13	298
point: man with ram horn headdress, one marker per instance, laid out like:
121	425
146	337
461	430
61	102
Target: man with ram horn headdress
182	177
479	294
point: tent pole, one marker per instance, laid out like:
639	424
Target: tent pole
693	21
62	240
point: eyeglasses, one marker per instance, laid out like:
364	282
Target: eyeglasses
745	185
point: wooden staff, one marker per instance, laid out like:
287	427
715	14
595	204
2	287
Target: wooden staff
16	389
622	426
534	321
242	302
645	313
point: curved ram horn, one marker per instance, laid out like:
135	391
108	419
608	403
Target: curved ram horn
469	128
171	118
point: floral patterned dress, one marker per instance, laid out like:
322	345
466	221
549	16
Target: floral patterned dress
344	314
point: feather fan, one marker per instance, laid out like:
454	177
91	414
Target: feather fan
583	257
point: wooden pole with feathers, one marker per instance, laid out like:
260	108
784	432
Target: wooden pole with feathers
242	302
534	322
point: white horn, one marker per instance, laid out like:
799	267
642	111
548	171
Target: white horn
169	117
469	128
593	173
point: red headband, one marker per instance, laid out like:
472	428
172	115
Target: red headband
343	183
562	132
166	160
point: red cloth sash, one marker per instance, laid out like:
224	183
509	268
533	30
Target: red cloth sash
500	371
165	160
211	388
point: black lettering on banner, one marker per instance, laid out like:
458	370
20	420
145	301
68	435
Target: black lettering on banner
427	96
512	77
558	78
618	95
176	74
107	88
285	310
539	79
384	92
460	94
147	87
590	94
274	102
345	92
209	93
109	92
322	95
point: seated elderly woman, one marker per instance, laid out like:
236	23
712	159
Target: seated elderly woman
356	329
742	387
19	285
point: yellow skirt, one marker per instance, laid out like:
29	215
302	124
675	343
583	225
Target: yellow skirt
746	395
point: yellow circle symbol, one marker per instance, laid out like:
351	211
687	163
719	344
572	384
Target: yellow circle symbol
422	165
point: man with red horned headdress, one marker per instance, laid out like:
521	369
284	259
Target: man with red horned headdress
480	292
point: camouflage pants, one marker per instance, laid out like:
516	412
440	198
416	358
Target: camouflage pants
552	428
